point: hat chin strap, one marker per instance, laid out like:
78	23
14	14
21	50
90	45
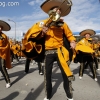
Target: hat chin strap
69	2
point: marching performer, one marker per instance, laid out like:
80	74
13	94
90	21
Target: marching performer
52	30
98	51
85	53
15	49
18	44
95	47
5	52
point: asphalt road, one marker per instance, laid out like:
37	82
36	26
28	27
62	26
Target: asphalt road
31	86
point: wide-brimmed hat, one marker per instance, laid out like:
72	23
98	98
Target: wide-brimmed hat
64	5
5	25
87	31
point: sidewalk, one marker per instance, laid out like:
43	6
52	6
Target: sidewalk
31	86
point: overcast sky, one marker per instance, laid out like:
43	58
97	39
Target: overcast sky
85	14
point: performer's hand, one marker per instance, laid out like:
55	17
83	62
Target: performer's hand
73	44
44	30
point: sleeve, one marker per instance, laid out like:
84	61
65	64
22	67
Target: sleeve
33	31
68	33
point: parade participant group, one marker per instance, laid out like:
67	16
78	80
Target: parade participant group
51	40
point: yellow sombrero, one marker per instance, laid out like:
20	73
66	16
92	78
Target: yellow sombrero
5	25
64	5
89	31
83	48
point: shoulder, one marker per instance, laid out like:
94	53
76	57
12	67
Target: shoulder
82	40
65	25
3	34
40	23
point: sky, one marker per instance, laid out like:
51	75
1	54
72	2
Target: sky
85	14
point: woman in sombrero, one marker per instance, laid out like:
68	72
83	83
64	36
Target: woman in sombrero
85	52
4	52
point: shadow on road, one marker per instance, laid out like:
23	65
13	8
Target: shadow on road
11	96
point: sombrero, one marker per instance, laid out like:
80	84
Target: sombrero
89	31
64	5
5	25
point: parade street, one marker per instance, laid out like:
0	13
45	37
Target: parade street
31	86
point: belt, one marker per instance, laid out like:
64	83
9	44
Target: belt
52	51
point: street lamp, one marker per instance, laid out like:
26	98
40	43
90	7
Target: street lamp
15	27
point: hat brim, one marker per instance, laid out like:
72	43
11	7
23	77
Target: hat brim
49	4
89	31
5	25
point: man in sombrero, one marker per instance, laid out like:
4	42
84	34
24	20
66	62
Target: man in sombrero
5	52
85	53
52	30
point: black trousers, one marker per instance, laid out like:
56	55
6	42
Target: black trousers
87	58
27	64
48	62
14	56
4	70
40	67
96	62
